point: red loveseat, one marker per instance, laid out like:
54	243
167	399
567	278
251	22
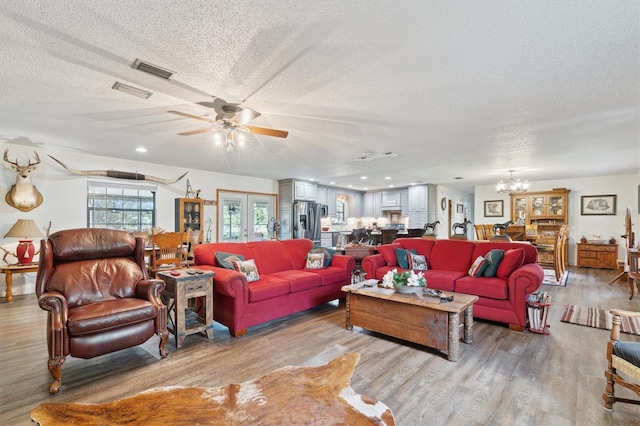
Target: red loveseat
501	298
285	286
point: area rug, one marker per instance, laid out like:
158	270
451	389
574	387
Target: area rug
598	318
287	396
550	278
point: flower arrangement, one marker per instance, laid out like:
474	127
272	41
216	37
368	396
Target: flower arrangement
393	279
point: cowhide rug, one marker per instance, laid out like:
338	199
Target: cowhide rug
288	396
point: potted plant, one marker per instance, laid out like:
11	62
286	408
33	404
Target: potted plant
403	282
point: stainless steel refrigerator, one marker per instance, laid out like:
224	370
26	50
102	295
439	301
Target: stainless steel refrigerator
306	220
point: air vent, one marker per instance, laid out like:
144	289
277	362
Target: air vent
152	69
130	90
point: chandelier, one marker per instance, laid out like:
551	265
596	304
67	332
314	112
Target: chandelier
512	185
230	134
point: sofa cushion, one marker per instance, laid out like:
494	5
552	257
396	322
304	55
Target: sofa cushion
442	280
511	261
402	257
315	261
451	255
492	288
299	280
477	267
248	269
492	260
332	275
268	287
225	260
388	253
417	262
108	314
328	254
420	245
296	250
271	256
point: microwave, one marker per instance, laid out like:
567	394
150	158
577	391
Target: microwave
324	210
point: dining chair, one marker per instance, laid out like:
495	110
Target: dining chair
168	252
622	357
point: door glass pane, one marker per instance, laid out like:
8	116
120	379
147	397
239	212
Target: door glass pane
232	221
260	220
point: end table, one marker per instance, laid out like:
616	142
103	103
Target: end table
180	288
9	270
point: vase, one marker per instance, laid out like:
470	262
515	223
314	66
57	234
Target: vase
405	289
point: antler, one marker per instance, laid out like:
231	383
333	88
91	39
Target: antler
6	158
15	163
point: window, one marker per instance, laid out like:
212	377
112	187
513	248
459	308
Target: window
118	206
340	211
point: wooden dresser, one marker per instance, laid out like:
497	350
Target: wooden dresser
601	256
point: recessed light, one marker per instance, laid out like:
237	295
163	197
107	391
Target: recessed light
365	188
363	177
412	183
332	183
141	149
387	177
311	179
390	186
349	185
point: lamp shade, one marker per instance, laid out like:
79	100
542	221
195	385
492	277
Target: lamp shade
24	228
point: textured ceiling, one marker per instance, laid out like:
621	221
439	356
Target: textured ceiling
456	88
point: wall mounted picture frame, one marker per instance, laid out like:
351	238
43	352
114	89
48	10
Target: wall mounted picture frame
494	208
459	208
598	205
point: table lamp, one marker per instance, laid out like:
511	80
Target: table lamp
23	229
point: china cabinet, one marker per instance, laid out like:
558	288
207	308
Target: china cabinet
189	215
548	210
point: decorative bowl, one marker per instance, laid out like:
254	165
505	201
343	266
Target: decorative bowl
405	289
597	241
325	228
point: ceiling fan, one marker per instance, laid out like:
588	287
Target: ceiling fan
230	121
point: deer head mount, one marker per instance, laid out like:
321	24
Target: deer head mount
23	195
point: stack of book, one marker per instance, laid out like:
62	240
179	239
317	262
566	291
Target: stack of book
538	309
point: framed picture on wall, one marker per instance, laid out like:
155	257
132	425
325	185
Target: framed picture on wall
598	205
494	208
459	208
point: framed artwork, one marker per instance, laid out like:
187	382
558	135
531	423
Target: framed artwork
494	208
459	208
598	205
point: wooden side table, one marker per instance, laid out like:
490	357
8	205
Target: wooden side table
179	290
9	270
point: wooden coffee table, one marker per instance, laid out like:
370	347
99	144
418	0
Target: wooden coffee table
413	317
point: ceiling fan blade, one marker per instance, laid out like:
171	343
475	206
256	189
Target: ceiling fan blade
195	132
245	116
268	132
184	114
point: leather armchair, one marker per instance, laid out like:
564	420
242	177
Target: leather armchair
95	286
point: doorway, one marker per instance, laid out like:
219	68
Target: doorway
244	216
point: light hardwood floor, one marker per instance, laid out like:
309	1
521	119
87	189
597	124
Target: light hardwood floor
502	378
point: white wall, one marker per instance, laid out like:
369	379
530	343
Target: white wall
456	197
65	200
625	187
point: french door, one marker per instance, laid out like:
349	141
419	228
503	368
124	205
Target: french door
243	216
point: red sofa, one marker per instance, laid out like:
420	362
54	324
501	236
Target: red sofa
501	298
284	287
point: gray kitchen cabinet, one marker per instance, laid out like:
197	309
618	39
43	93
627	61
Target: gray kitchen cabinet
331	201
321	195
304	191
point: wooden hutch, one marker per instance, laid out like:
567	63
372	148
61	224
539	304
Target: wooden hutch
547	209
189	215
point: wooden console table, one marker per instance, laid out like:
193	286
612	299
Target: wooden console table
9	270
601	256
179	290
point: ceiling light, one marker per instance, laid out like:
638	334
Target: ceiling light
141	149
231	133
363	177
387	178
511	185
390	186
130	90
332	183
141	65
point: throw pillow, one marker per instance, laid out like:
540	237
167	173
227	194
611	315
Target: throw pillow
248	268
417	262
511	261
477	267
315	261
492	259
225	260
402	257
328	254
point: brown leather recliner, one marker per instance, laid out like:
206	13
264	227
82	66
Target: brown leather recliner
95	285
